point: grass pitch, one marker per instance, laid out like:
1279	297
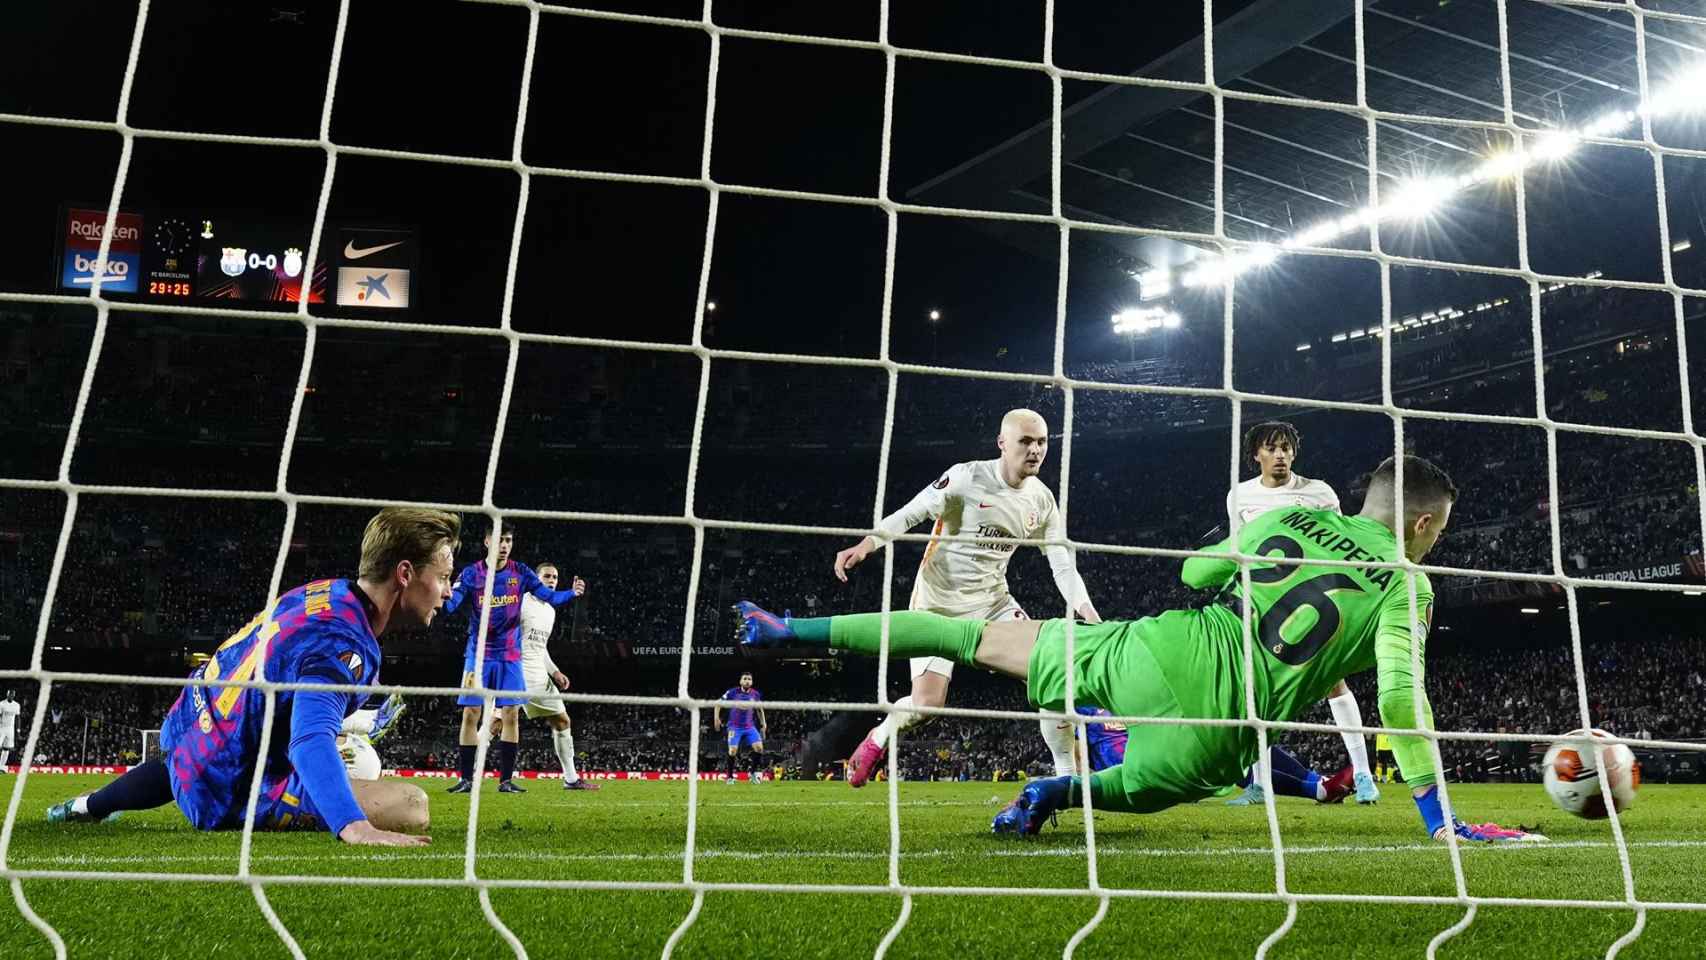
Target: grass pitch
824	833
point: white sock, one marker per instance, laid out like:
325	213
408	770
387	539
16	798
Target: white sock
80	806
564	741
1058	734
896	722
4	756
1346	713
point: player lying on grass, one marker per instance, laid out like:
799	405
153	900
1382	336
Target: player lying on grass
1313	625
323	632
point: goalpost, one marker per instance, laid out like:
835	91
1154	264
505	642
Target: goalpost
1631	129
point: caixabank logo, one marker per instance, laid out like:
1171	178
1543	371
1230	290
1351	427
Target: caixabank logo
83	232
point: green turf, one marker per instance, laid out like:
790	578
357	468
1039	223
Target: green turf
812	833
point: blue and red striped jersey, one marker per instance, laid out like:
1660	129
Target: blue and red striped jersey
503	633
212	735
740	718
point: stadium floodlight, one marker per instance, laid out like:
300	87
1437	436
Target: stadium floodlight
710	306
1420	197
1141	320
1154	284
1531	611
935	314
1682	245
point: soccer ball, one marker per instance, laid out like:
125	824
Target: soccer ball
1573	782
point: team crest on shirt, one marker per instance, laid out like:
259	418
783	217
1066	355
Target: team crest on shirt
206	722
1031	521
941	484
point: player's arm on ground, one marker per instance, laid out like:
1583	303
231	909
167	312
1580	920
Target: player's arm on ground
315	719
929	504
530	583
1065	570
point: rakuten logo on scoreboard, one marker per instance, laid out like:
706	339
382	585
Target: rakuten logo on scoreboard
83	232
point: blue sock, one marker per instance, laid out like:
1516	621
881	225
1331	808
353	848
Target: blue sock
143	787
1291	778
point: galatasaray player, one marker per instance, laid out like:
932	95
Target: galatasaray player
1190	663
1274	446
501	669
324	632
1000	498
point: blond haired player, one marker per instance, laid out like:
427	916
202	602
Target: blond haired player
1275	446
1000	498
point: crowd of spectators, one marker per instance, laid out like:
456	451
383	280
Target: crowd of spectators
1644	688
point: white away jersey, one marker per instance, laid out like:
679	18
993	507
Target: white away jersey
1251	499
538	618
8	716
971	498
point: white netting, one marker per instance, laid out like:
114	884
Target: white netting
1236	255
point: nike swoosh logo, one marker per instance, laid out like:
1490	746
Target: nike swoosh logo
353	252
986	506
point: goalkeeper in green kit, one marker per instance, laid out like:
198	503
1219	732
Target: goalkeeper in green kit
1312	626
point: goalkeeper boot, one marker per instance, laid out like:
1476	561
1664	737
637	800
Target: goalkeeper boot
758	627
1367	792
1253	796
67	813
1489	833
1039	800
1338	786
461	786
864	762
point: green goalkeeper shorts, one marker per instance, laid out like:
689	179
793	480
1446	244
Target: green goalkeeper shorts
1118	668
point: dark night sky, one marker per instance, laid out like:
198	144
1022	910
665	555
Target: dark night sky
623	260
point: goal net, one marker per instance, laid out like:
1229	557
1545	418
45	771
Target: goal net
1236	249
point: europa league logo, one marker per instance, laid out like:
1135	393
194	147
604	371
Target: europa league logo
233	261
292	263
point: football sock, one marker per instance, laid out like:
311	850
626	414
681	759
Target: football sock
5	755
143	787
1346	713
1058	734
465	761
506	759
912	633
563	741
1290	777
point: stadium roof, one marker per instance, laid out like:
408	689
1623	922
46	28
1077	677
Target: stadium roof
1144	156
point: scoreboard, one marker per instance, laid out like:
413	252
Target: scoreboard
176	257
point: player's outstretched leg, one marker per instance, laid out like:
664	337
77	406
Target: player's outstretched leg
142	787
1291	777
1366	791
912	633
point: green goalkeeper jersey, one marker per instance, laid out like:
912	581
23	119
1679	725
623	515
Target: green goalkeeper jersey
1314	625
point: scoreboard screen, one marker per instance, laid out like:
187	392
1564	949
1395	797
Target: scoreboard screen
184	257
